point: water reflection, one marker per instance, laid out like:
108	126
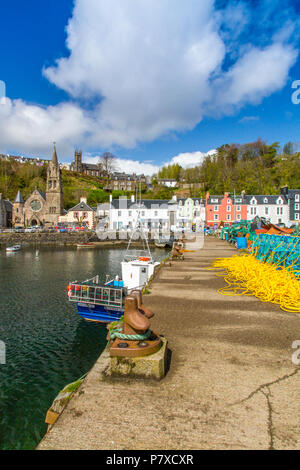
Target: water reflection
47	344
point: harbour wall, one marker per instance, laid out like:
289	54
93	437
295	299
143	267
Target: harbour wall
64	239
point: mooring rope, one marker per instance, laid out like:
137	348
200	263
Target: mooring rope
117	333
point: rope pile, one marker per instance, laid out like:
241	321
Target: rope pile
246	275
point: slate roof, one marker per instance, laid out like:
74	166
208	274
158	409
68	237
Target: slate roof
81	206
245	199
19	198
8	205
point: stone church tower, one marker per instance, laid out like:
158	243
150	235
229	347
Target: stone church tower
54	195
78	161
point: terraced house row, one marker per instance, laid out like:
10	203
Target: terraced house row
279	209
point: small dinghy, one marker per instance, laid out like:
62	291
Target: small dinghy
11	249
85	245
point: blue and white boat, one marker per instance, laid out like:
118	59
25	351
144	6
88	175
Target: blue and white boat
96	301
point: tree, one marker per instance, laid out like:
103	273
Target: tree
107	161
288	148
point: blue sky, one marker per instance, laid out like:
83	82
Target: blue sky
144	82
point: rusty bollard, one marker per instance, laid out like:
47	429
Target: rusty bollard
135	339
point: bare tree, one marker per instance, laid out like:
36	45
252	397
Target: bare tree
107	161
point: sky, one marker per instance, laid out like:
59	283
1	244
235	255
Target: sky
154	82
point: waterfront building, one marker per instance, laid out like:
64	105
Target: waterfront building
41	208
226	209
154	213
233	208
5	213
293	202
273	208
82	214
190	211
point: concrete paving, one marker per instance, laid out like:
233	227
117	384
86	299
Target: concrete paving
231	384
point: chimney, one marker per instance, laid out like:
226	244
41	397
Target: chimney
132	198
83	199
284	190
110	198
174	197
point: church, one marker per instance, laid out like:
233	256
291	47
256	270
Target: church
41	209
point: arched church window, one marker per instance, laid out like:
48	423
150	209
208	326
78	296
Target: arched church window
50	185
54	184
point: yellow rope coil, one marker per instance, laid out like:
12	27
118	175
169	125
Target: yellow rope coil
245	275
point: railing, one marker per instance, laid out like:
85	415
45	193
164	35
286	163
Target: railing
93	294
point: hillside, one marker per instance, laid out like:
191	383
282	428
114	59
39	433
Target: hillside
26	177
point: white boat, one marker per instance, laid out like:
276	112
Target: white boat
138	265
13	248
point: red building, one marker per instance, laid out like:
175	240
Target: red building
226	209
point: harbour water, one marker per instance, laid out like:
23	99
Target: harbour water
47	344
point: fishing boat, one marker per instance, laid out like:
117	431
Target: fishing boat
104	301
12	249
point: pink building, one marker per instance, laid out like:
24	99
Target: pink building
227	209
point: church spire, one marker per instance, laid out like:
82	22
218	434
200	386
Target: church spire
54	155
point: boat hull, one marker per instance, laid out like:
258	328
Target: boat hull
98	313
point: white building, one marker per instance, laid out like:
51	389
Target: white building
154	214
273	208
168	183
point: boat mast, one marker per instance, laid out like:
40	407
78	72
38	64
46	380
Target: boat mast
138	228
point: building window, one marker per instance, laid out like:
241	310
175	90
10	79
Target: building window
279	210
297	216
216	208
238	208
266	211
143	213
228	217
266	200
238	217
155	213
253	210
214	200
130	213
296	197
119	213
228	209
85	215
216	217
296	207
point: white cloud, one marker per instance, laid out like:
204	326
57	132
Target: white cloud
128	166
186	160
191	159
249	119
152	68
